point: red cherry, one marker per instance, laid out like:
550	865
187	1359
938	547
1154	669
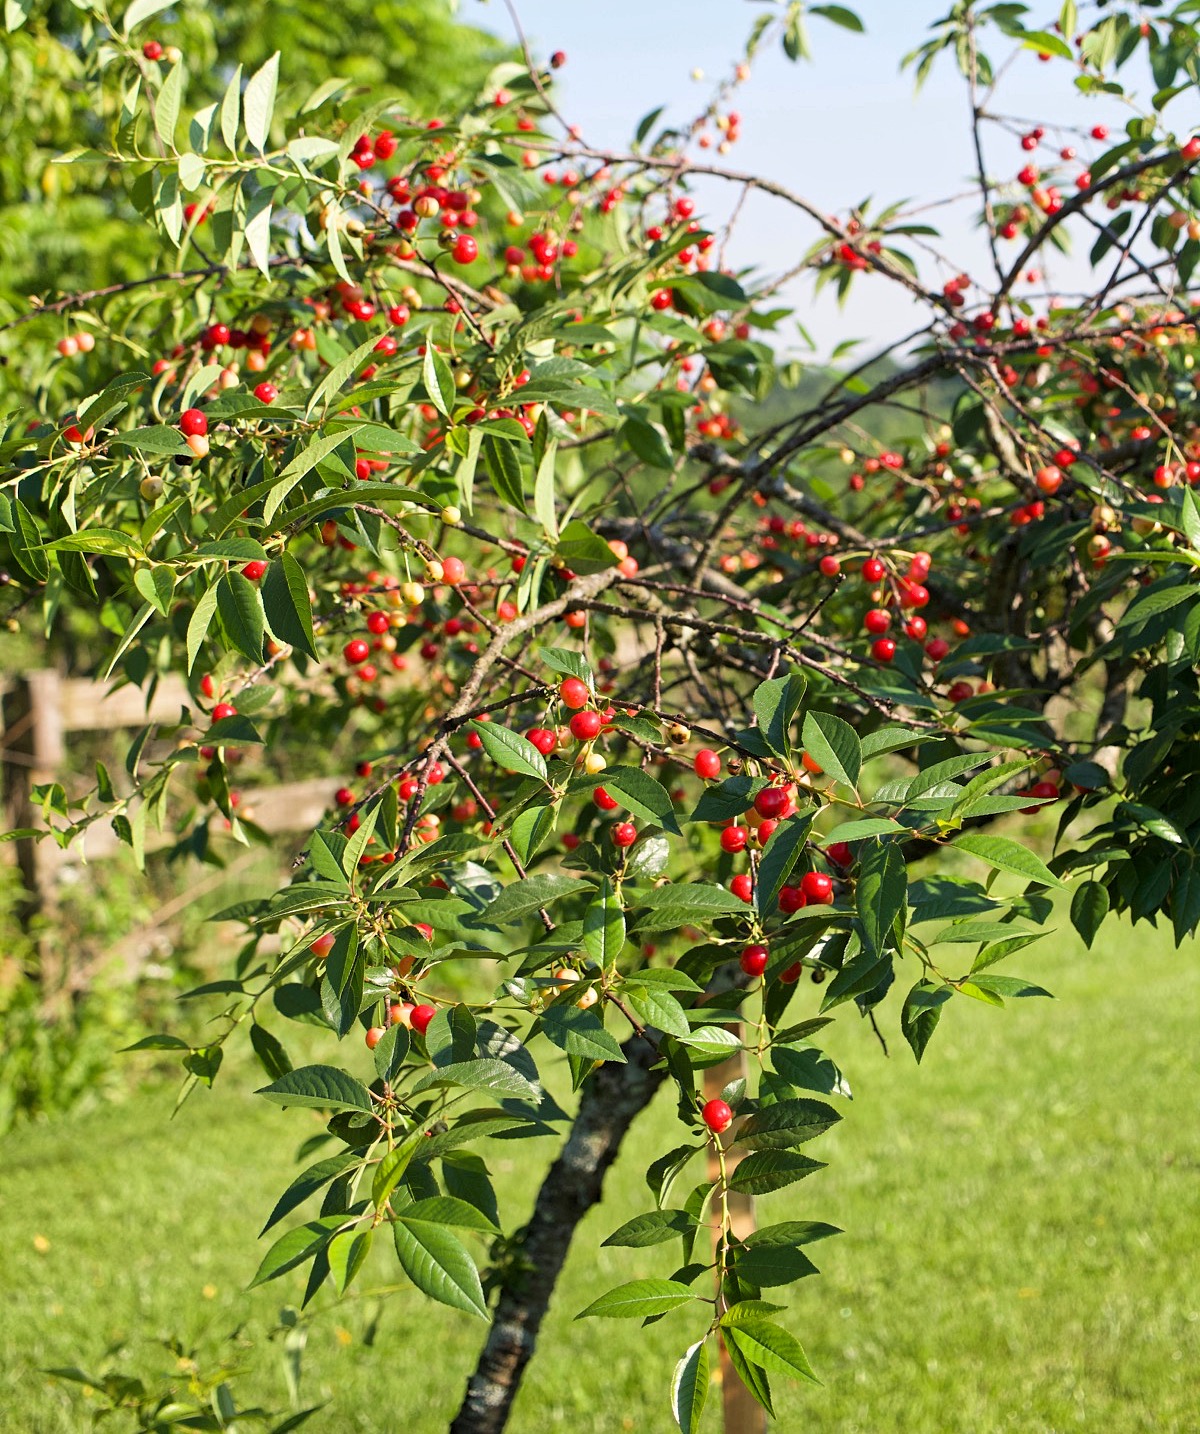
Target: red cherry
771	802
817	888
223	710
586	725
916	628
792	974
754	960
453	571
604	801
356	650
734	839
810	764
877	620
883	649
322	946
193	423
829	565
378	623
543	739
254	569
207	685
839	853
266	392
937	648
573	692
374	1036
153	50
717	1115
465	250
1049	479
791	898
624	834
742	887
873	570
420	1017
706	764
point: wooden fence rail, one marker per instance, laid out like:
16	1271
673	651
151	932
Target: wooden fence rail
40	710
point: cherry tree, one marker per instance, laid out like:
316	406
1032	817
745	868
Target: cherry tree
687	712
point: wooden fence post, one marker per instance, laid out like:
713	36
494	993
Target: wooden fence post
743	1413
33	753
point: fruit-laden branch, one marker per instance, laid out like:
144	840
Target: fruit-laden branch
611	1099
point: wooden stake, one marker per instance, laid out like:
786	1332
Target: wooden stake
743	1413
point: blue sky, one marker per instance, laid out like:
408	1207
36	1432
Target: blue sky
839	128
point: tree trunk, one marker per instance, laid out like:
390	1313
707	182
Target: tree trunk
612	1097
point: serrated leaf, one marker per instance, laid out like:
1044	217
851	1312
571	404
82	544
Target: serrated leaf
231	110
258	103
579	1033
767	1170
287	604
881	893
504	468
657	1008
638	1299
689	1388
522	898
308	1182
239	604
485	1073
437	1262
1007	855
321	1087
296	1247
921	1013
1089	907
347	1253
604	925
786	1124
199	623
654	1228
166	105
438	380
510	750
834	745
641	794
767	1345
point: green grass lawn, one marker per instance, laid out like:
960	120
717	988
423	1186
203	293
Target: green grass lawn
1021	1220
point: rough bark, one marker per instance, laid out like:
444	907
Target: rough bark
613	1096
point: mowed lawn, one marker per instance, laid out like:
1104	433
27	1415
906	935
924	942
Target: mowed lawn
1022	1218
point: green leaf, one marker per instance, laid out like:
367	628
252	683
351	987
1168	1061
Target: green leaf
437	1262
647	442
640	794
438	381
322	1087
503	464
258	103
768	1265
834	745
141	10
531	828
921	1013
287	605
767	1170
482	1074
689	1388
108	542
158	438
638	1299
775	704
679	905
882	892
347	1254
656	1007
579	1033
604	925
296	1247
304	462
231	110
522	898
1007	855
543	492
200	622
510	750
1089	907
583	551
786	1124
847	19
239	603
782	851
26	543
308	1182
166	105
767	1345
156	585
391	1169
448	1210
654	1228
